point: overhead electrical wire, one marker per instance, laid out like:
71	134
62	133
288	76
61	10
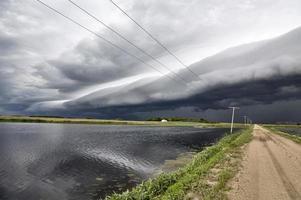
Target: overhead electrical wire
155	39
127	40
107	41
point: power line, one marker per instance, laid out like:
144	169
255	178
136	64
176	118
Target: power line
155	39
124	38
104	39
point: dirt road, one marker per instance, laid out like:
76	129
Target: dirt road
271	169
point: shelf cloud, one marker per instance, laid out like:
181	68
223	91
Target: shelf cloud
245	54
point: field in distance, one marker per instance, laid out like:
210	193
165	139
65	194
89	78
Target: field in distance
42	119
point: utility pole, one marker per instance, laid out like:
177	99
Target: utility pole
245	120
232	121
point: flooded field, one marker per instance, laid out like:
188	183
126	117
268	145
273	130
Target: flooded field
292	131
69	161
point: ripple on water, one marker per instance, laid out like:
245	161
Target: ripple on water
292	131
68	161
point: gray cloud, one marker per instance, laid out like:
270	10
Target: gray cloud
48	65
245	82
7	44
217	72
91	63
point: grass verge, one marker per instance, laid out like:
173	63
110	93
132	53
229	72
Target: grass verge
281	125
193	178
275	130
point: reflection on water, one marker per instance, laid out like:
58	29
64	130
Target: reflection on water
292	131
68	161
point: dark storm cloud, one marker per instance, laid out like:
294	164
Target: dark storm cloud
267	63
91	62
243	94
7	46
18	88
266	78
48	65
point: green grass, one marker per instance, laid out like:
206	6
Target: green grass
27	119
176	185
275	129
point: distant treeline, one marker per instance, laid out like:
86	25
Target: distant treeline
178	119
47	116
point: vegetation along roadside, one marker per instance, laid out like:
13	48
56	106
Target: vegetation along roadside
275	129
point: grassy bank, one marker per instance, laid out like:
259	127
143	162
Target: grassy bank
275	129
281	125
27	119
193	178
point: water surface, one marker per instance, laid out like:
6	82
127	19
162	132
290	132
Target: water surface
292	131
78	162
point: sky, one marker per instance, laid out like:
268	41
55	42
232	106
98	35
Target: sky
245	53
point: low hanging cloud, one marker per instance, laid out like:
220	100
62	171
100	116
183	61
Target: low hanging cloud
228	78
228	68
90	63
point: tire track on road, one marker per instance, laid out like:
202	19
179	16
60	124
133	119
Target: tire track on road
291	190
271	170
